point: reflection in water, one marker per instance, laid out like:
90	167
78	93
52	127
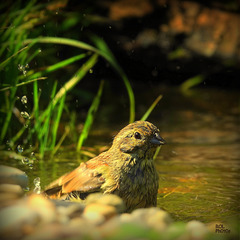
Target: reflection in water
200	182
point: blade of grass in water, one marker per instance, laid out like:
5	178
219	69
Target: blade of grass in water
56	121
90	117
66	132
148	112
35	100
78	76
107	54
43	132
146	115
191	82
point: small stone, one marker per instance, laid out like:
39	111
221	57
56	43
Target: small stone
98	213
9	194
11	175
17	219
196	229
153	218
71	210
107	199
42	206
11	188
110	227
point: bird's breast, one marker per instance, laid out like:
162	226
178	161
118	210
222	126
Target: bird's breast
138	185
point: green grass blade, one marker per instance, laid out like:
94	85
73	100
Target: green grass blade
2	64
59	65
148	112
43	131
90	117
191	82
23	83
67	87
64	41
77	77
66	132
107	54
56	121
35	100
9	114
103	50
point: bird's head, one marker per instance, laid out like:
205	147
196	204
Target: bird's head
140	138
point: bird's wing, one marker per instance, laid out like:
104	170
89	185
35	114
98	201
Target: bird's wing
85	179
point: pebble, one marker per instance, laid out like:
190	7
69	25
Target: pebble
150	217
11	175
17	221
107	199
9	192
97	213
45	209
196	229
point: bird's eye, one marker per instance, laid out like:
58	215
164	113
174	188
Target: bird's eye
137	135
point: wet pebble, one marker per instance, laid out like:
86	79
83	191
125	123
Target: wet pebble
42	206
9	193
69	210
17	221
107	199
11	175
196	229
98	213
150	217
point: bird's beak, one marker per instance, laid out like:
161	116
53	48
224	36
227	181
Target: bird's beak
157	140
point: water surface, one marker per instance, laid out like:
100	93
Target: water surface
199	166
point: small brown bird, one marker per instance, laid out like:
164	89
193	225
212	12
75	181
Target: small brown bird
126	169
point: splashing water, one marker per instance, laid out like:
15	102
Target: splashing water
25	115
24	100
25	160
37	188
23	68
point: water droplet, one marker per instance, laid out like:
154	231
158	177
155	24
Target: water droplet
40	50
20	67
90	71
30	165
25	115
20	148
37	185
24	99
36	181
25	160
32	154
